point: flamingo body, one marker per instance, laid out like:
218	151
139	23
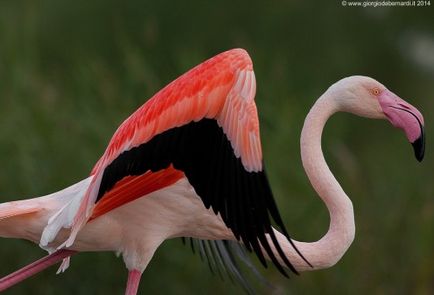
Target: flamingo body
204	124
188	163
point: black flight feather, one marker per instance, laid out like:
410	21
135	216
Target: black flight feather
203	152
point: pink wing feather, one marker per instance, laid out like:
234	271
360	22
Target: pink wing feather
221	88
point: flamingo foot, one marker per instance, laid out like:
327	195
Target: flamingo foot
133	282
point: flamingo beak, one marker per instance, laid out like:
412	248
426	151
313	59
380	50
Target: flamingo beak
406	117
419	146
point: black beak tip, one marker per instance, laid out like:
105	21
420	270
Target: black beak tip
419	146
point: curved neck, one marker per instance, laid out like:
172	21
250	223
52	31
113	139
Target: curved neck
332	246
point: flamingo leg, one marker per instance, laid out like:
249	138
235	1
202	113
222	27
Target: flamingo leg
33	268
133	282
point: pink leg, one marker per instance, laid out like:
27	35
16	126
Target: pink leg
133	282
33	268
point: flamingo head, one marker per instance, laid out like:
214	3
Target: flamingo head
367	97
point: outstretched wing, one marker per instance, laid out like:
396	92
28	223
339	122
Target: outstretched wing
204	124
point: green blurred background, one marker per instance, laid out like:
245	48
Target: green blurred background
72	71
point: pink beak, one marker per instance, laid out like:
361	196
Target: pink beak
405	116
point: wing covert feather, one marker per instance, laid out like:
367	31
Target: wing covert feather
205	124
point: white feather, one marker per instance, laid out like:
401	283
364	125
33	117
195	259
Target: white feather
65	216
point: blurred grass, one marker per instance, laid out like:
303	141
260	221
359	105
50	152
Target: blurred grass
70	72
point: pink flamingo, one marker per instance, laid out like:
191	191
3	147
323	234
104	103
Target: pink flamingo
188	163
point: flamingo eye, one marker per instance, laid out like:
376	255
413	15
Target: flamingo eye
376	91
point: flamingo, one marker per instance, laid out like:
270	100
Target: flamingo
188	163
